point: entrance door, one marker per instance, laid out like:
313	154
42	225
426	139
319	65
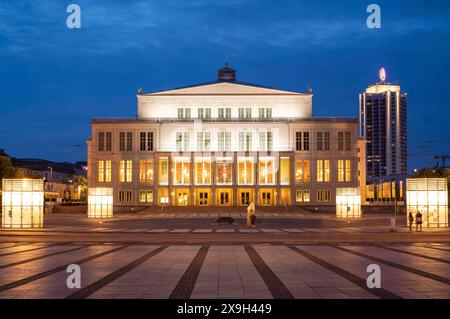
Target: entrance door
203	199
182	198
245	198
266	198
224	199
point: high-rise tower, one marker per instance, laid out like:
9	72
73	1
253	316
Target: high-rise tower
382	122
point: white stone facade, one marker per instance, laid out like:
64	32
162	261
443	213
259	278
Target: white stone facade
242	146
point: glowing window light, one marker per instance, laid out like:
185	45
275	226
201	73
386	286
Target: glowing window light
100	202
23	203
348	203
430	197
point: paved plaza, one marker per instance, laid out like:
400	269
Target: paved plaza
38	270
189	256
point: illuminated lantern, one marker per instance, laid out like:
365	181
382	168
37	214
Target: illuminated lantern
23	203
100	202
430	197
348	203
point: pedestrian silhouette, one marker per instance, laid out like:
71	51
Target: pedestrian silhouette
410	220
418	221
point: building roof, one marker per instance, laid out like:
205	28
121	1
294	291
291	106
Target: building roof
43	165
136	120
226	83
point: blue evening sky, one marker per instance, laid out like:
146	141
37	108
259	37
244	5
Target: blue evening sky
54	79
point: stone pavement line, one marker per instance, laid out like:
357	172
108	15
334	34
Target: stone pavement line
395	265
185	285
27	250
43	256
27	280
433	247
9	245
413	254
273	283
361	282
89	290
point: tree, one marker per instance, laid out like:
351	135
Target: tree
7	170
440	172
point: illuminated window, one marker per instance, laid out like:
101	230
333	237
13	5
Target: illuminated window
302	171
146	171
266	171
302	196
265	141
203	141
224	139
344	171
104	171
101	171
224	173
285	171
146	196
182	141
182	167
125	171
245	171
108	171
163	171
245	141
125	196
323	196
323	170
202	171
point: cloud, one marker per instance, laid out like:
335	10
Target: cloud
31	26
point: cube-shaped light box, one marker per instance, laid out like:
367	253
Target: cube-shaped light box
22	203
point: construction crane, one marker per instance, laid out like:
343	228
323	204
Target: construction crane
443	158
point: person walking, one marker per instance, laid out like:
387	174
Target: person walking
419	221
251	218
410	220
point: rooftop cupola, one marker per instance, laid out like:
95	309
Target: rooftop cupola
226	74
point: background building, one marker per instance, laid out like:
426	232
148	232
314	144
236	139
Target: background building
382	122
223	143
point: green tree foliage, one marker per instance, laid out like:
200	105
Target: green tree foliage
434	173
6	168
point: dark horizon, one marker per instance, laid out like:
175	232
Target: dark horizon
55	79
